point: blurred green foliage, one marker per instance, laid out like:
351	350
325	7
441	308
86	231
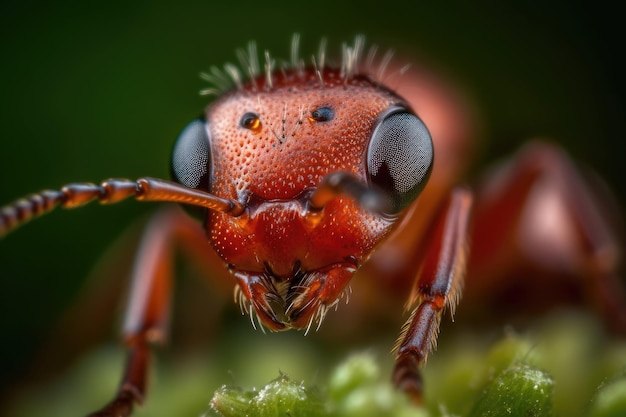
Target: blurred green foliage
563	365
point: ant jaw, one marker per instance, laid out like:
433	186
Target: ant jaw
257	295
320	290
296	303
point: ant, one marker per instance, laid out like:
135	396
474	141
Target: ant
303	170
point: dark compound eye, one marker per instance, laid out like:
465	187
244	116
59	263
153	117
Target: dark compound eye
191	156
251	121
400	156
322	114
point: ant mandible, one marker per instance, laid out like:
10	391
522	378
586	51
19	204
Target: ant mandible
302	171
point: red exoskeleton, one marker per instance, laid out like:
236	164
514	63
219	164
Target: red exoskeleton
304	170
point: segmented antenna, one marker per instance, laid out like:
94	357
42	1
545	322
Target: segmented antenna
109	192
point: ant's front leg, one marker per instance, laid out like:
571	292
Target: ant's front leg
147	315
438	285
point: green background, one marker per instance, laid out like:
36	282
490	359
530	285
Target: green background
91	90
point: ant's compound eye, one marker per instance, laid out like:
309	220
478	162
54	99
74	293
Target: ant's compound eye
191	156
322	114
251	121
400	156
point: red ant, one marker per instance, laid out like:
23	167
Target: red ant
303	170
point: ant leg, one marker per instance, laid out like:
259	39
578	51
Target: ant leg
147	314
438	285
542	227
